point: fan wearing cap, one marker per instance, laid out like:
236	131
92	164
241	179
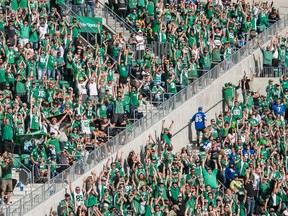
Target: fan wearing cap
81	85
267	56
210	177
174	210
132	18
10	53
66	205
134	101
200	123
229	91
37	157
284	82
34	117
140	46
20	85
19	126
119	106
205	59
75	27
53	143
171	84
165	133
122	69
78	194
278	108
6	168
7	92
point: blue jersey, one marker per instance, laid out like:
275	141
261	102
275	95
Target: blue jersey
199	119
278	109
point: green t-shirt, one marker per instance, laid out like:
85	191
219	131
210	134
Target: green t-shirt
6	171
267	56
42	61
24	31
20	87
75	31
7	132
34	121
150	8
134	98
55	143
210	179
36	155
51	62
123	73
2	75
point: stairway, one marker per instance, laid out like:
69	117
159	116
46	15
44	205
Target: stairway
18	194
114	22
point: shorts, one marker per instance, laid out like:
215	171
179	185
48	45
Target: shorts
123	80
7	185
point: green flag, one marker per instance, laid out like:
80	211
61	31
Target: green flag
90	24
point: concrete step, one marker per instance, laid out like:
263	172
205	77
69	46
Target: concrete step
17	193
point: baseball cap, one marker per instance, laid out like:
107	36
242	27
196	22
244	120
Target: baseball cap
200	108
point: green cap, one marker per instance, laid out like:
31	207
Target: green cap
270	80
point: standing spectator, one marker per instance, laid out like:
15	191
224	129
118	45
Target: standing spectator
267	58
7	186
90	8
200	123
37	157
140	46
7	136
66	205
122	7
209	176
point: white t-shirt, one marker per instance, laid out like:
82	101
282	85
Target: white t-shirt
43	30
140	45
82	87
93	89
54	128
85	126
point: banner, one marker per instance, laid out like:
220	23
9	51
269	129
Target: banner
20	139
90	24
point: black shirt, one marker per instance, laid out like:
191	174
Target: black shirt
251	190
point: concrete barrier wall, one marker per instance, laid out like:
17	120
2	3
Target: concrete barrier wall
261	83
210	98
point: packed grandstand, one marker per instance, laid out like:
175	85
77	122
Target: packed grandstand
62	99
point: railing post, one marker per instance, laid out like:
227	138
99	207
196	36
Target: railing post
116	140
32	199
49	174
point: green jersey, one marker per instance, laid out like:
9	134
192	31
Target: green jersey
134	98
7	132
267	57
54	142
6	171
34	121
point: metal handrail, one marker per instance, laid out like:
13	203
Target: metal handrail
117	17
28	172
270	71
244	51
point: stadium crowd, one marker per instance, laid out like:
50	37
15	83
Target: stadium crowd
241	168
72	97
